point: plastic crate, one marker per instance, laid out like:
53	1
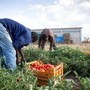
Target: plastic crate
29	63
42	77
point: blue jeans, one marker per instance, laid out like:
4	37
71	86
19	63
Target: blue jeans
7	50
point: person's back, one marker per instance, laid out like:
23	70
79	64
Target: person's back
46	35
47	32
14	28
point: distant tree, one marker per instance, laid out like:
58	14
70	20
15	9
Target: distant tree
86	39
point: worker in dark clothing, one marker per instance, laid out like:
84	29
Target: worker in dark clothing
13	36
46	35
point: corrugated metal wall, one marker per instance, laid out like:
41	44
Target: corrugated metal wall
75	34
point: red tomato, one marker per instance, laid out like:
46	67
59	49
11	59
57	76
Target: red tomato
50	66
40	67
18	79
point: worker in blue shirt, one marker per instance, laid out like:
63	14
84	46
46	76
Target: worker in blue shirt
13	36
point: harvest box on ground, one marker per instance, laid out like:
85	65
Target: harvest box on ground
42	77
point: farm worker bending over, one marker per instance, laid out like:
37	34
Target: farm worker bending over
13	36
46	35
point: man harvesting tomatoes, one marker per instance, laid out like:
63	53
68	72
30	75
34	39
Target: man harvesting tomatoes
46	35
13	36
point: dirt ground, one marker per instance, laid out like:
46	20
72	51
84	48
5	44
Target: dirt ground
72	77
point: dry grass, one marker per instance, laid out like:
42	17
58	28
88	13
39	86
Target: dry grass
82	47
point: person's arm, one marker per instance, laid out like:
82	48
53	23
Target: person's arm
40	41
52	43
22	55
43	44
20	52
17	57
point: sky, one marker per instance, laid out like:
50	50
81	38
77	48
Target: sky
40	14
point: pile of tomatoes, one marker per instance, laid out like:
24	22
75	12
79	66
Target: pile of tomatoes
40	67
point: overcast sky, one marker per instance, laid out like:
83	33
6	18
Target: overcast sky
48	13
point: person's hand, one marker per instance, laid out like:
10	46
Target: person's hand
23	59
18	61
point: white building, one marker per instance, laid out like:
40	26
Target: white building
75	33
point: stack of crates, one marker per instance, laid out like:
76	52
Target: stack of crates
66	37
42	77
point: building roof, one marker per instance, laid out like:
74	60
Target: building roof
60	28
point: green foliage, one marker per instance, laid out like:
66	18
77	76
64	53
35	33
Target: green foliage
73	59
85	83
32	54
16	80
24	80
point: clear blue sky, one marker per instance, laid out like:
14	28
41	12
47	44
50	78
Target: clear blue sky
48	13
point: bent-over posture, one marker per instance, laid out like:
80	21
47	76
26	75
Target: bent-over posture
46	35
13	36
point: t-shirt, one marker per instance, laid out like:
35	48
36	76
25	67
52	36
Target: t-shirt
47	32
20	35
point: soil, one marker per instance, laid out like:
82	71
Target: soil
72	77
